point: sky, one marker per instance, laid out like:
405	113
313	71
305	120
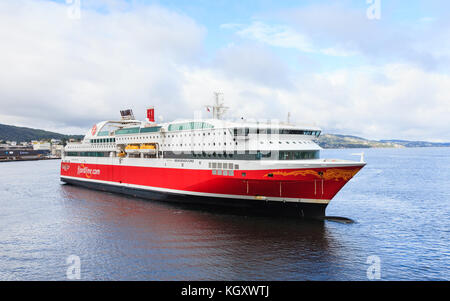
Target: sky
377	69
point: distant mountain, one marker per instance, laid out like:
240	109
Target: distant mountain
347	141
407	143
23	134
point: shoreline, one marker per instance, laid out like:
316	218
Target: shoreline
33	159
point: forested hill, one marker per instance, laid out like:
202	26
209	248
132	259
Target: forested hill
24	134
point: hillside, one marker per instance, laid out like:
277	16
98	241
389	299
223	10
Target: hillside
347	141
407	143
23	134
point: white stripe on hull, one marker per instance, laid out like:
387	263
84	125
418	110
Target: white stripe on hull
204	194
204	164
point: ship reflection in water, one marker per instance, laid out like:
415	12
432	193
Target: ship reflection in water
167	241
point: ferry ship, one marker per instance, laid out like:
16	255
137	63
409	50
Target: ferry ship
264	166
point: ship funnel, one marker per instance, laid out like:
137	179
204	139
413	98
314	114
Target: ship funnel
151	114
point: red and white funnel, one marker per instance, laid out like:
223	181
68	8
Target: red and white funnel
151	114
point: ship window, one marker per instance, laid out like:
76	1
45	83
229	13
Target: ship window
236	166
127	131
241	131
258	155
298	155
225	173
214	165
219	165
230	165
231	173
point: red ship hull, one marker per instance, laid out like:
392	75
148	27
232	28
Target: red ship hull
299	192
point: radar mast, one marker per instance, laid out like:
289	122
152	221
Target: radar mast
218	108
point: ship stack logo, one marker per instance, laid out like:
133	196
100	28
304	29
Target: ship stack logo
94	130
89	172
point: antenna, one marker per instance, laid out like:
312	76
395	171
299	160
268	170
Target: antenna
127	114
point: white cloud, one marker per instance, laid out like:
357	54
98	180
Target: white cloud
285	37
388	40
338	51
275	35
73	72
408	103
254	63
427	19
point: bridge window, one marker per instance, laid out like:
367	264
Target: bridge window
298	155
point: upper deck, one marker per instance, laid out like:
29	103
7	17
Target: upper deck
205	138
